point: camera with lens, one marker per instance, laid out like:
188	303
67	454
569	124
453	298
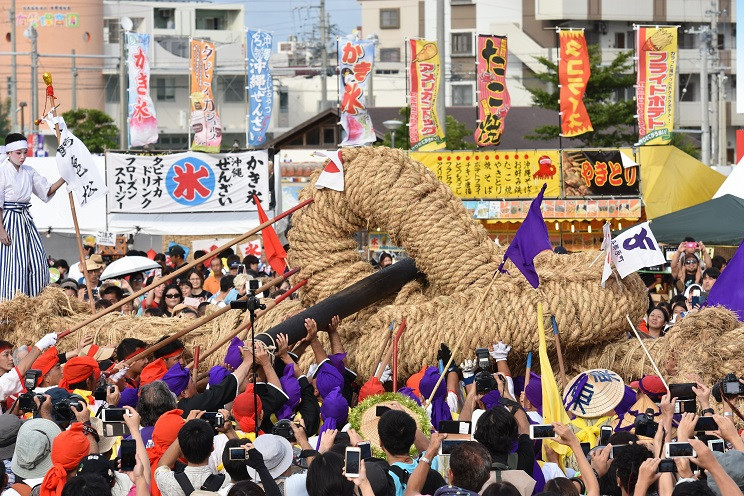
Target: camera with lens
26	400
63	410
728	386
99	393
485	382
645	424
283	428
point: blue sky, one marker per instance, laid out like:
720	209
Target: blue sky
286	17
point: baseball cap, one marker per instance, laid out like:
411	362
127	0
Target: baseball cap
68	283
176	250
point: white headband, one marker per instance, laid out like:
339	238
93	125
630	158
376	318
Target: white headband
16	145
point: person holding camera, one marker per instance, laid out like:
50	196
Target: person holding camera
687	267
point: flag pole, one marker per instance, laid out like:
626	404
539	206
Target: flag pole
653	363
559	352
185	268
47	77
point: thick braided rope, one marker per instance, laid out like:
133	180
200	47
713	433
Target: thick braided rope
384	188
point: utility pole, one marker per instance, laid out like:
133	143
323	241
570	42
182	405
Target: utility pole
123	110
442	98
722	137
13	68
34	83
74	80
713	111
714	107
323	57
704	115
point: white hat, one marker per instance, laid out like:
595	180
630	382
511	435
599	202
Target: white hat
277	454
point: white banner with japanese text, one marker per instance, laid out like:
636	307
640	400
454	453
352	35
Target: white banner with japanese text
75	165
187	182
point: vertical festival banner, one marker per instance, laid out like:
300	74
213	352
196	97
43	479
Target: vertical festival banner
143	123
573	74
355	59
260	85
493	97
425	132
205	123
657	66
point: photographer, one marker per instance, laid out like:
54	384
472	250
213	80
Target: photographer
11	382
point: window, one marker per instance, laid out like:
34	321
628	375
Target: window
165	89
312	137
620	40
165	18
112	89
462	43
390	55
177	45
211	19
283	100
462	95
113	29
389	18
329	136
233	88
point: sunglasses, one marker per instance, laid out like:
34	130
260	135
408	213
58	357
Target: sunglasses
173	295
691	262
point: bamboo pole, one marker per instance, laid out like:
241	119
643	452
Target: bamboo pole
185	268
558	350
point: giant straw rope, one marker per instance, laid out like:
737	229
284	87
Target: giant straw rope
386	189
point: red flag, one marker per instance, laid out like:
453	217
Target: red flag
275	253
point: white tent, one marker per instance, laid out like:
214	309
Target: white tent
93	218
734	183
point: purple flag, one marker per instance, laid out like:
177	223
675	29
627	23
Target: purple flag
531	239
728	289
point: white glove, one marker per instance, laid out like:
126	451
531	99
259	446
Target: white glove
468	368
117	376
452	402
311	370
387	374
500	351
47	341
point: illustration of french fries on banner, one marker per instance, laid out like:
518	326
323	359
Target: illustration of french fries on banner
658	41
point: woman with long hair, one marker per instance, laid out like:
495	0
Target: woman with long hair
172	296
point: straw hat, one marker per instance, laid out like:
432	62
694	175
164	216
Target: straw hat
593	393
363	418
95	262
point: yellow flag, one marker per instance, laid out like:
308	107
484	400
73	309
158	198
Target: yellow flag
552	403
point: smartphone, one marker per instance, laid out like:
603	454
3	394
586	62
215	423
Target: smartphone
647	429
682	391
617	449
542	431
695	300
353	462
115	429
215	419
604	435
672	450
706	424
449	444
191	301
113	414
454	427
366	449
685	406
381	409
667	465
128	455
586	448
691	244
717	445
237	454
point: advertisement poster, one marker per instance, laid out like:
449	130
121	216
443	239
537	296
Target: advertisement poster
143	123
355	60
657	66
425	131
598	173
205	122
493	97
260	85
573	74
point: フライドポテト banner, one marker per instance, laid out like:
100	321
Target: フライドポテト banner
425	131
573	74
355	60
493	97
657	64
260	85
186	182
143	123
205	123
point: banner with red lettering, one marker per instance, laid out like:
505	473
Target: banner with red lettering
573	74
143	123
355	59
205	122
657	65
493	97
425	132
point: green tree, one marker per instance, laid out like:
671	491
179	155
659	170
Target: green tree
686	144
94	128
612	117
5	118
456	133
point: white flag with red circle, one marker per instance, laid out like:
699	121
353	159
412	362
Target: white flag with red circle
332	176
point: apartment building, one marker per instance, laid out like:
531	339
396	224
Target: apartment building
530	27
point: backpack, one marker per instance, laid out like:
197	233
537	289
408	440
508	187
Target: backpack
511	464
434	479
213	482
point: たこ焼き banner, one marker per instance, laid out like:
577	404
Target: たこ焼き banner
425	131
186	182
657	64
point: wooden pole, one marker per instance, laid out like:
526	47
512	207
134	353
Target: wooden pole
194	373
196	324
396	339
473	316
50	100
557	339
185	268
527	371
645	350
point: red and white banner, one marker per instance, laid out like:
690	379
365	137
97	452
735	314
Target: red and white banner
573	74
493	97
143	123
